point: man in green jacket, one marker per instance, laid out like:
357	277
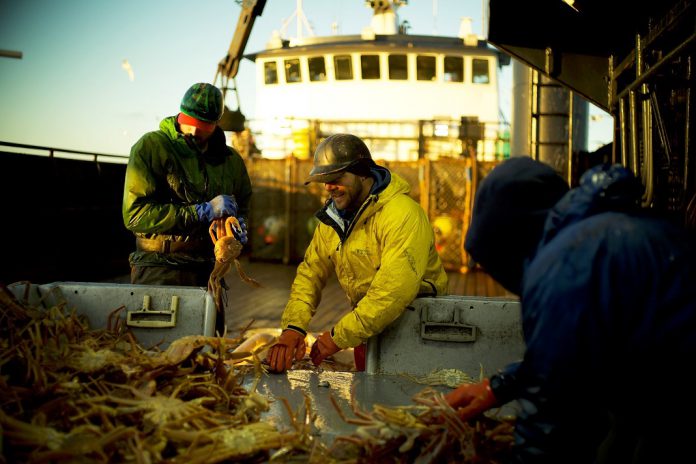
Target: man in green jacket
376	239
179	178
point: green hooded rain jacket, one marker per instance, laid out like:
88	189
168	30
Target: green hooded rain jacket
165	178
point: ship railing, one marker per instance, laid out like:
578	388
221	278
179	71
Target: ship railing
444	161
52	152
388	140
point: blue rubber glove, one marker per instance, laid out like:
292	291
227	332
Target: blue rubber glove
220	206
241	235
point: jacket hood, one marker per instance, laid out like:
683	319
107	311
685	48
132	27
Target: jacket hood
602	188
168	126
382	178
216	144
387	185
507	223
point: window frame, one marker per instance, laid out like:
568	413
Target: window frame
474	74
462	68
287	63
370	56
405	68
266	64
315	58
419	58
336	60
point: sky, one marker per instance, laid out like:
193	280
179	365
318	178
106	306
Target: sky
95	75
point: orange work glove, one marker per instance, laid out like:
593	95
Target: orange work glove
323	348
291	345
471	399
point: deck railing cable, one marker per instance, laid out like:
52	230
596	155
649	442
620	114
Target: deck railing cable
53	152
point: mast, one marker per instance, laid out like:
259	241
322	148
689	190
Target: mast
385	19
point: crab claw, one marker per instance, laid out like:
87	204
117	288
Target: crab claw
233	227
216	230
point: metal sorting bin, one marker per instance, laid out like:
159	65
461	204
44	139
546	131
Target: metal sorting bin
472	334
157	315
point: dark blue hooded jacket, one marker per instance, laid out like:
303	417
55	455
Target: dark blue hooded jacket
608	297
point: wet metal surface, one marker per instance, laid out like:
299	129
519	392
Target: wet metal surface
350	389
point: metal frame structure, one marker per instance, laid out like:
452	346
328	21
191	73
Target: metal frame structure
635	62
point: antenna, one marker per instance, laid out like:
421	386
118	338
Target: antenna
434	17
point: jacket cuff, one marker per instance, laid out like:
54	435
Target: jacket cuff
504	384
297	329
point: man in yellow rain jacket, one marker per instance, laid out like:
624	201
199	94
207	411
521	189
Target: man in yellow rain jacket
376	239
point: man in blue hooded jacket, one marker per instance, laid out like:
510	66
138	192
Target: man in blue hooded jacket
608	297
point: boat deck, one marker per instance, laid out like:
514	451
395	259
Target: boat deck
257	308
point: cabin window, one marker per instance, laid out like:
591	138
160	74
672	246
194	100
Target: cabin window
425	68
343	67
292	70
317	68
479	71
369	66
398	69
270	71
454	69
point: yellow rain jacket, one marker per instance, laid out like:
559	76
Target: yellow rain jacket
383	260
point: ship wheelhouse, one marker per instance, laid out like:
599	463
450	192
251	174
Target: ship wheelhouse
384	88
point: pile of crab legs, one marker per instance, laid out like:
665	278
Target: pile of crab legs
227	250
69	393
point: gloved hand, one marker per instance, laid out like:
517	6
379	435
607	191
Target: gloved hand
241	235
323	348
291	345
220	206
471	399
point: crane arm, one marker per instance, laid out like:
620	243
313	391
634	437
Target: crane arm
250	10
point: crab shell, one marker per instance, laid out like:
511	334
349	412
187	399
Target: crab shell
227	248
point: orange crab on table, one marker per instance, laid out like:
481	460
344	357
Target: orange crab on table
227	250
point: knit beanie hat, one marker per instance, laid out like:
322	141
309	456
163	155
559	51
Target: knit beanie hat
203	102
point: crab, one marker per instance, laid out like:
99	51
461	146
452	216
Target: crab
448	377
227	250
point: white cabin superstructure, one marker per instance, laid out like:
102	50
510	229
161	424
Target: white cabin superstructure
376	86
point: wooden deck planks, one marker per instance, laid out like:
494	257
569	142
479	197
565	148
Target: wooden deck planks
263	307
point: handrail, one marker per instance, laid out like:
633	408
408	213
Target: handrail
640	80
52	151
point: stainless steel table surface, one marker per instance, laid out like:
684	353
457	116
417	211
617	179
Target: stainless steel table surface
350	389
